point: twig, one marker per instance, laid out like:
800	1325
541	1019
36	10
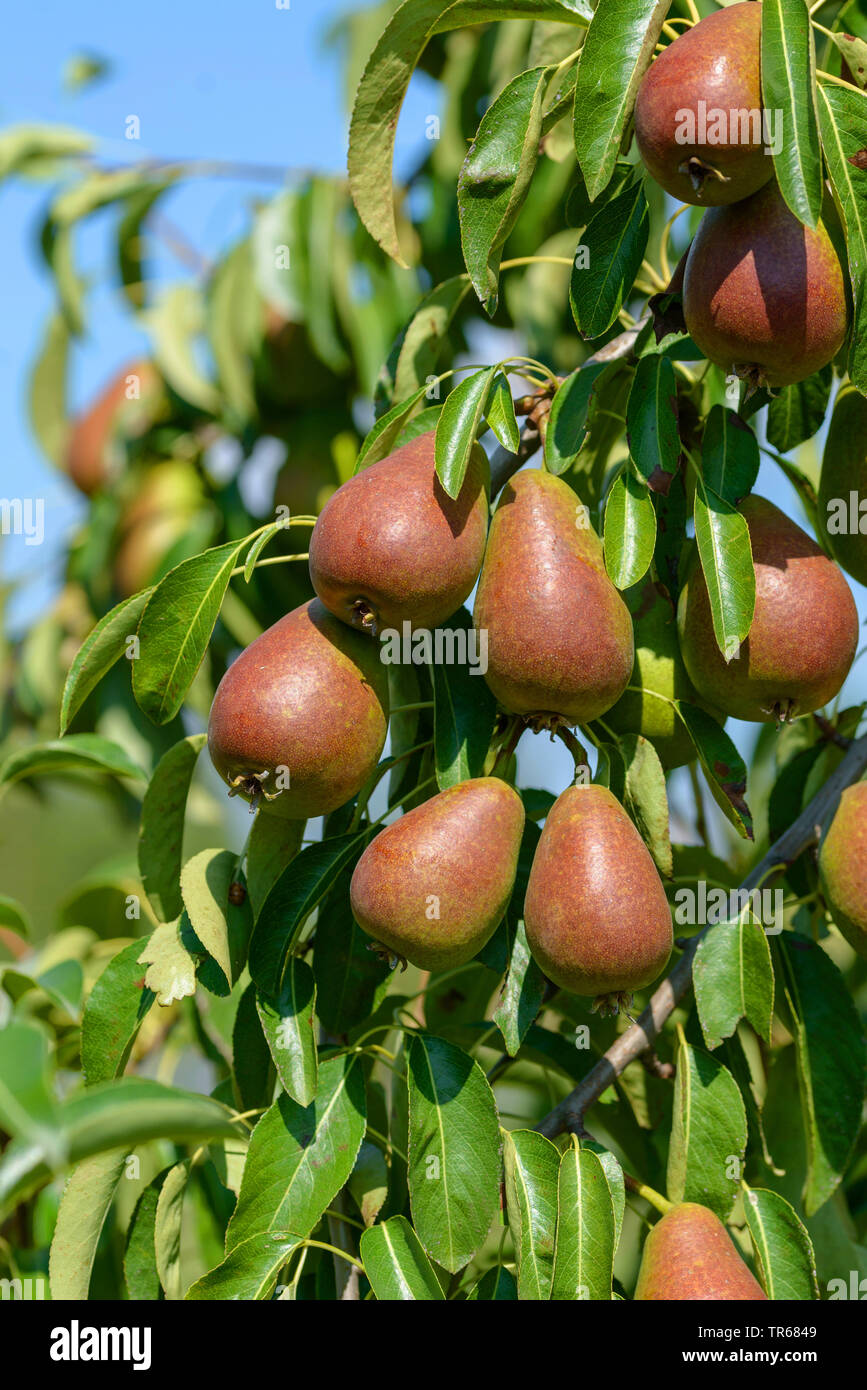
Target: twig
569	1114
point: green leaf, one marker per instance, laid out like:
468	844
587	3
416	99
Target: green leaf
853	50
167	1228
75	753
350	979
249	1271
723	540
139	1259
25	148
13	916
300	1157
382	438
630	530
161	829
273	843
454	1151
608	260
288	1024
708	1133
464	710
222	927
132	239
782	1246
733	979
251	1055
113	1014
522	996
235	328
171	970
459	423
396	1265
368	1184
175	323
176	627
568	421
532	1166
585	1237
646	799
729	455
419	347
843	123
789	86
28	1109
722	765
87	1196
651	421
617	50
497	1284
47	392
496	176
616	1185
299	889
98	653
798	412
831	1061
500	414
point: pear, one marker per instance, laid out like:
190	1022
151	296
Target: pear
126	407
433	887
804	633
391	546
597	918
165	501
842	528
299	720
559	635
714	67
763	295
843	867
689	1256
661	674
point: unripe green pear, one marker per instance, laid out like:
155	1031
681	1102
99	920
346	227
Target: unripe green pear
299	720
804	633
842	511
764	296
706	74
843	867
391	546
597	918
689	1256
433	887
559	635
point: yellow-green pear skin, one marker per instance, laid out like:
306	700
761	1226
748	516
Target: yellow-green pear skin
842	508
843	867
689	1257
661	674
559	635
433	887
595	911
804	633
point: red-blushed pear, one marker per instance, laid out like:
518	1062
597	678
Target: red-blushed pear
804	633
433	887
698	114
764	296
559	635
597	918
843	867
689	1256
127	406
299	720
391	546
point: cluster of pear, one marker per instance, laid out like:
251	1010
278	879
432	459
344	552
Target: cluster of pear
763	296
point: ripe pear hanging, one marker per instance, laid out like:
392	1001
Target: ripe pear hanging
804	633
689	1256
699	121
560	646
391	546
597	918
764	296
299	720
843	867
433	887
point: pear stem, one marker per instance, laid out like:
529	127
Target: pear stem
641	1189
579	755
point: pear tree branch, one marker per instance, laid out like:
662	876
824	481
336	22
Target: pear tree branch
805	831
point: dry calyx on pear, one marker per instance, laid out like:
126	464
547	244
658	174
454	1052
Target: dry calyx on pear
843	867
699	121
689	1256
804	632
595	912
391	546
299	720
432	888
764	296
560	645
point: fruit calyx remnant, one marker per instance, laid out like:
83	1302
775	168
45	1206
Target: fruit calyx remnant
698	173
364	617
784	711
391	958
250	784
609	1005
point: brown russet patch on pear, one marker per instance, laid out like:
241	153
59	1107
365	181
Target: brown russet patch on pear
559	634
804	633
596	914
764	296
717	62
309	696
391	546
433	887
689	1256
843	867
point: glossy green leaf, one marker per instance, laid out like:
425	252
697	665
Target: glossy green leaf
139	1259
723	540
729	455
171	970
13	917
288	1023
646	799
782	1247
113	1014
568	421
222	927
459	424
843	123
532	1166
350	979
75	753
797	412
500	414
382	438
788	86
396	1265
608	260
273	843
651	421
629	537
167	1228
98	653
585	1236
368	1183
161	829
87	1196
708	1133
464	708
616	1185
175	322
722	765
28	1109
420	346
733	979
522	996
252	1067
249	1271
497	1285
